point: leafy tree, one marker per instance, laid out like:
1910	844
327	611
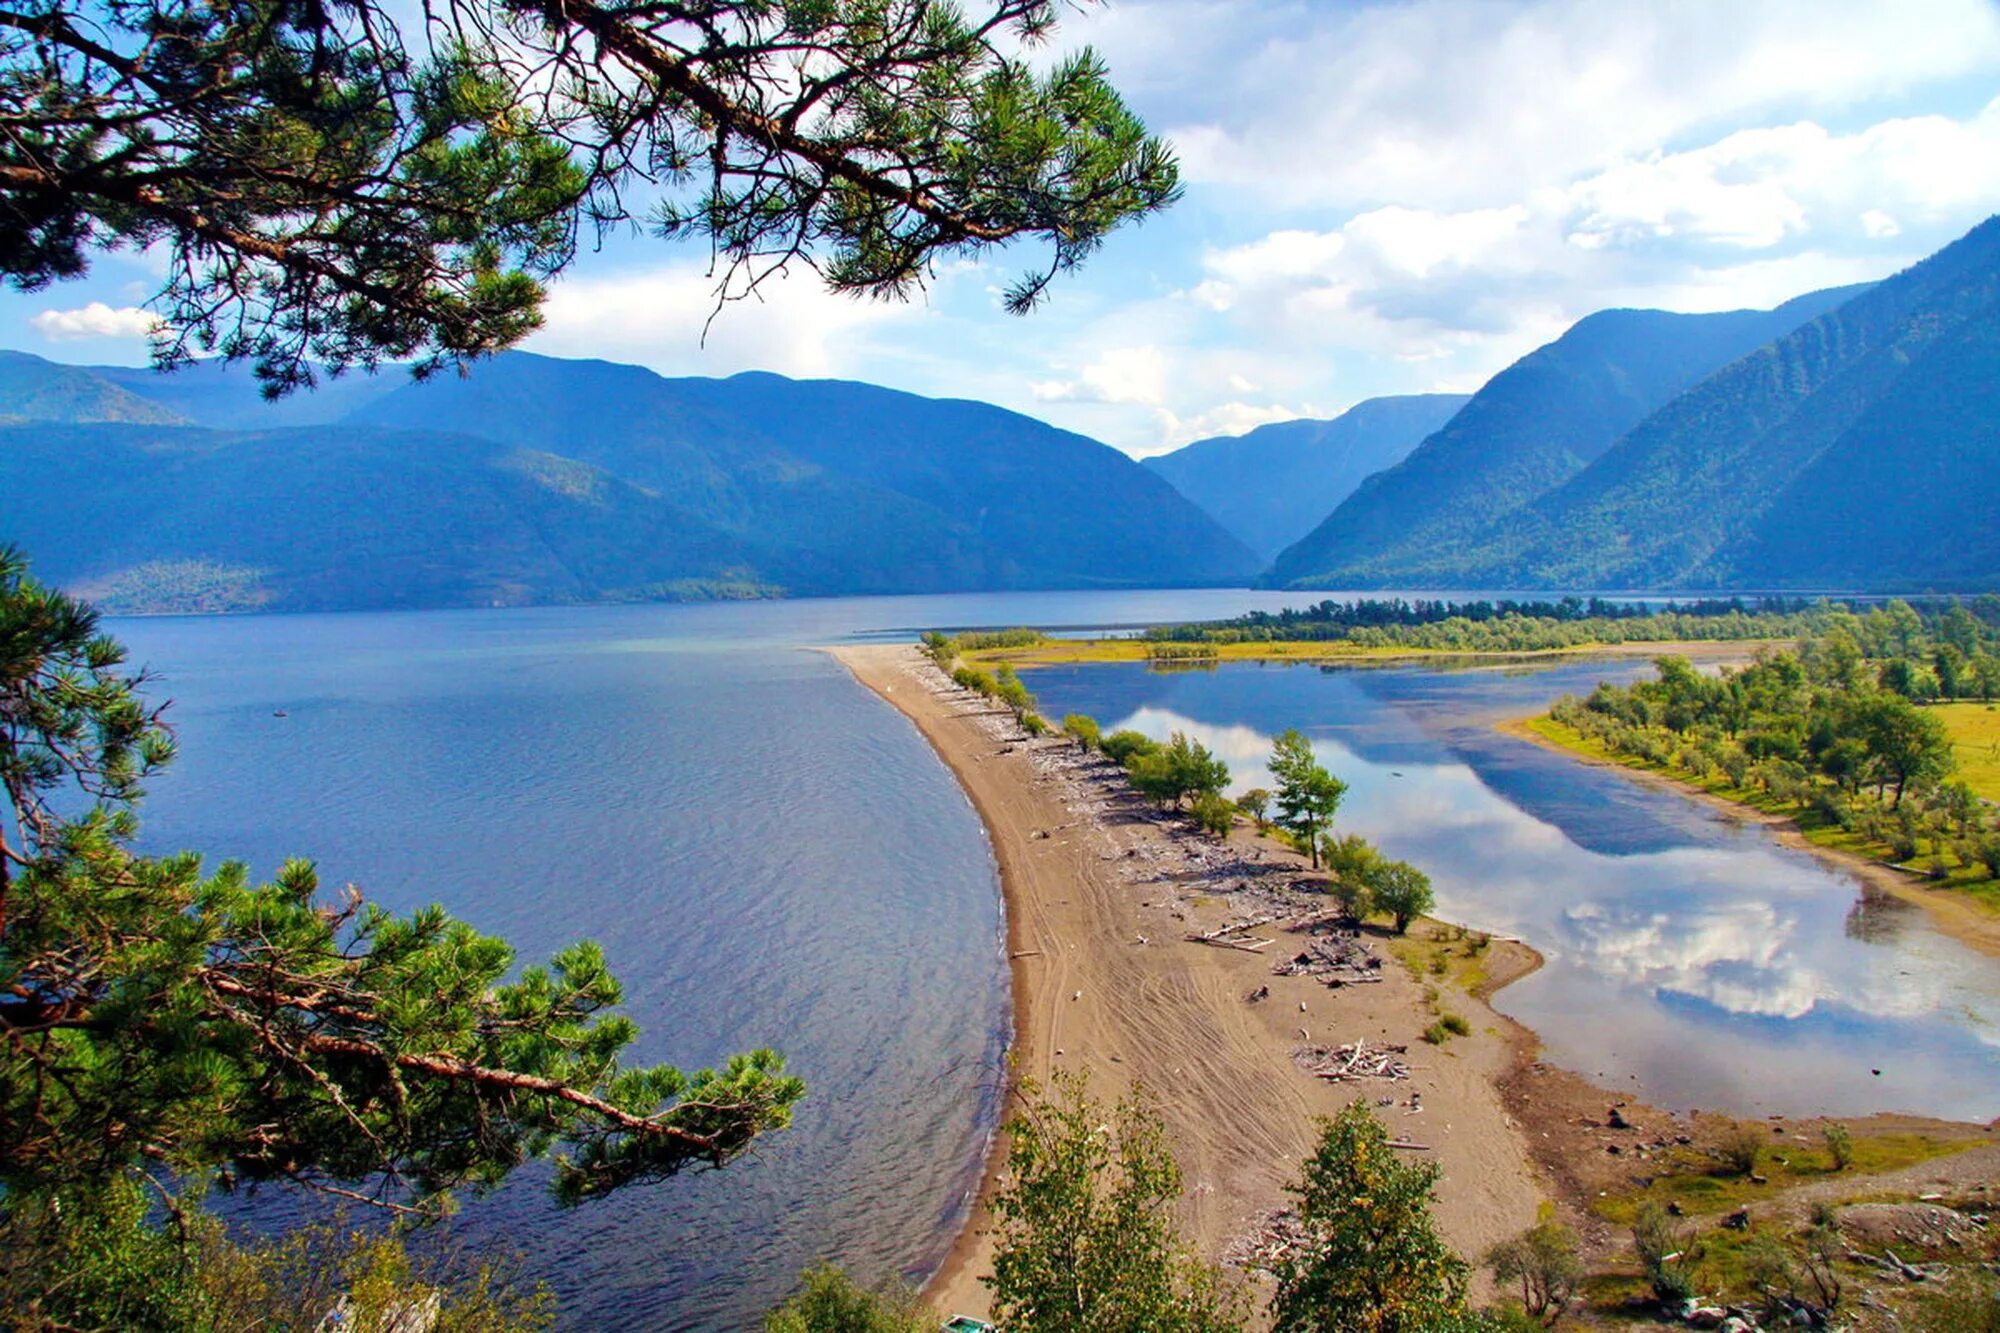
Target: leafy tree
1011	693
1542	1262
1371	1260
1083	729
1255	803
1123	746
1399	889
1179	769
188	1028
1087	1242
321	191
1905	744
1307	794
1215	814
829	1301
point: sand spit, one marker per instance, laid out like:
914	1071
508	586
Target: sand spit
1101	895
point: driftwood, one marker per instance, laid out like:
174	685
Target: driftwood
1355	1060
1233	928
1335	962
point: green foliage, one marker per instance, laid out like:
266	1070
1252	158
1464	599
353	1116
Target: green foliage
1173	772
829	1301
96	1258
1011	693
1401	890
1123	747
196	1025
942	649
1215	815
1255	803
1086	1240
1799	1283
1739	1148
321	193
1543	1265
1371	1260
1839	1145
1307	794
1083	729
1667	1254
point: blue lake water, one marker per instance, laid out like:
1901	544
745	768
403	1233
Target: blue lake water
770	855
1689	957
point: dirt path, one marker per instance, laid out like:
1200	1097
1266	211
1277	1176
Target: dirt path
1100	894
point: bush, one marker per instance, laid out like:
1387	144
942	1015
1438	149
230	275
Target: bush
1740	1148
1839	1146
1122	746
830	1302
1543	1262
1082	728
1666	1254
1455	1024
1214	814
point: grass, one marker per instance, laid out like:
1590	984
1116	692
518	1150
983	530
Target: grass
1452	954
1975	741
1693	1178
1817	830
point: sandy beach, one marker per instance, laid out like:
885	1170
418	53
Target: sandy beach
1101	894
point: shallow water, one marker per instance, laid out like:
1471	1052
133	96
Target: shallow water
1689	957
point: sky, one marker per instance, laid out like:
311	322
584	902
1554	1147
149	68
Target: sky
1380	199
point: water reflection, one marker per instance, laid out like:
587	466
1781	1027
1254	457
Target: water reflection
1688	954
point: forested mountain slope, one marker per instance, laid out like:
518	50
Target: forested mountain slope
1733	484
1533	427
1270	486
537	480
32	389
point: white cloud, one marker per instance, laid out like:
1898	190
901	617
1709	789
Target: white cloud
96	320
656	317
1119	375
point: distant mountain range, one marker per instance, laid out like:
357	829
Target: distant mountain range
1533	426
1849	439
1274	485
1846	440
541	480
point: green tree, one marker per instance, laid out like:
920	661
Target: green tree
1371	1260
1307	794
1353	860
1087	1242
1083	729
320	191
1255	803
1399	889
182	1027
1011	693
1215	814
829	1301
1123	746
1905	743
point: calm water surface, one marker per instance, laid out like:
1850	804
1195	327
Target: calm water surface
1690	957
771	856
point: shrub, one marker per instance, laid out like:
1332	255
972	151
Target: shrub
1083	729
1544	1262
1739	1148
1666	1254
1214	814
1456	1024
1123	746
1839	1145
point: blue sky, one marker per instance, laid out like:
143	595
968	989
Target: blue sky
1381	198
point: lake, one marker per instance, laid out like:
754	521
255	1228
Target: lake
772	856
1690	958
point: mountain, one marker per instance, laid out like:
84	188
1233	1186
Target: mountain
540	480
1271	486
1532	428
33	389
228	397
1849	451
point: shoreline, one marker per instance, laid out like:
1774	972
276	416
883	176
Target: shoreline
1099	893
1953	916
